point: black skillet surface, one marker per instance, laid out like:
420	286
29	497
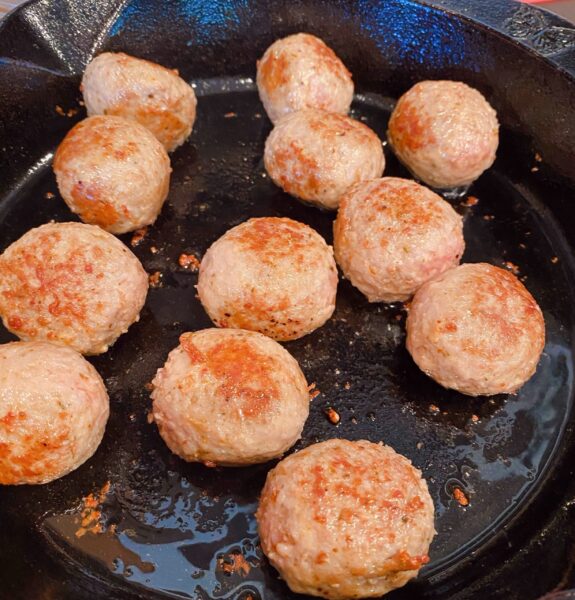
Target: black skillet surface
171	529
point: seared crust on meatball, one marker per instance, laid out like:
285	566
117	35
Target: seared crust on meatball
445	132
115	83
272	275
72	284
391	235
230	397
476	329
53	412
113	173
316	156
301	71
345	519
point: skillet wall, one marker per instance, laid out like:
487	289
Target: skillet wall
387	45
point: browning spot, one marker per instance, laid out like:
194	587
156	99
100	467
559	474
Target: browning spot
91	206
408	129
37	458
243	373
273	70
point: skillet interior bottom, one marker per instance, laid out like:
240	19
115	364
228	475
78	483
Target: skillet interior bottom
177	529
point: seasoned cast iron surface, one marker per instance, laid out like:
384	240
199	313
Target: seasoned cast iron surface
170	529
176	525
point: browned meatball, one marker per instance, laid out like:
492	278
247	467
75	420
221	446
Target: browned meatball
113	173
299	72
391	235
346	519
118	84
230	397
272	275
71	284
445	132
476	329
53	411
316	156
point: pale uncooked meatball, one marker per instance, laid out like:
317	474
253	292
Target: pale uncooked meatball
53	412
345	519
391	235
72	284
315	155
115	83
476	329
230	397
445	132
113	173
271	275
299	72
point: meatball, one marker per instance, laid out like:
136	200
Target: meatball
391	235
72	284
299	72
445	132
113	173
53	412
345	519
156	97
476	329
315	155
271	275
230	397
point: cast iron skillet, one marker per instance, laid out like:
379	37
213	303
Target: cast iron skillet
172	530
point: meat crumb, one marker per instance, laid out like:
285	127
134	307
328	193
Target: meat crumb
347	385
49	195
332	415
512	267
149	386
470	201
230	115
189	261
433	408
488	217
60	110
460	496
475	418
150	418
419	445
555	260
523	246
313	391
234	563
154	250
72	112
534	169
138	236
81	103
538	157
91	512
155	279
